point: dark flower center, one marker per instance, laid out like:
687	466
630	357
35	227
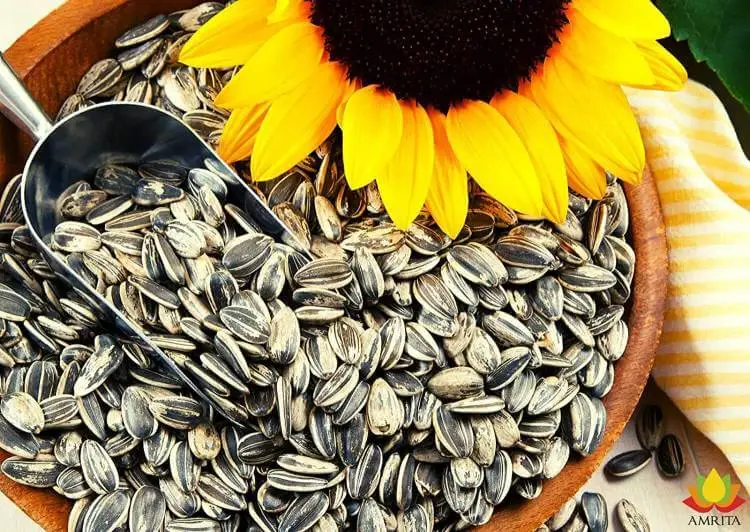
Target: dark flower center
440	52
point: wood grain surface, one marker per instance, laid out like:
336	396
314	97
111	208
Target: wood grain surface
54	54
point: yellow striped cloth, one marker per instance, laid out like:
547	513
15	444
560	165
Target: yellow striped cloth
703	180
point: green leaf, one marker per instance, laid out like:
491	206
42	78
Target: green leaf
718	32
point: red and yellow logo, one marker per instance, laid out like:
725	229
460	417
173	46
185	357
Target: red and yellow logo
714	491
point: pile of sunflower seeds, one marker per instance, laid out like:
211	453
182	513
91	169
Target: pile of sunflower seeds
592	515
399	380
464	370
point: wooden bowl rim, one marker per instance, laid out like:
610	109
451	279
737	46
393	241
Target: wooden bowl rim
27	52
644	321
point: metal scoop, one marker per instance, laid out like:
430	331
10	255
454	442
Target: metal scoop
104	134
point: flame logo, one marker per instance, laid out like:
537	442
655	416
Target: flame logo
714	491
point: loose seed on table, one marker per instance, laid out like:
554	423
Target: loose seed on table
649	426
628	463
670	458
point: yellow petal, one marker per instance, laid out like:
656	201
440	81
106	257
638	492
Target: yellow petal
541	142
448	195
593	114
298	122
238	138
280	64
289	9
669	74
372	124
352	87
281	6
584	175
404	181
493	154
231	36
635	19
634	178
278	13
602	53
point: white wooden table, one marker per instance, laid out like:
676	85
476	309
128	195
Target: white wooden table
660	499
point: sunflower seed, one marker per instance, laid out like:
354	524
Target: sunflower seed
470	264
98	468
458	498
595	511
385	411
181	413
555	457
630	518
295	482
213	490
107	512
453	432
91	413
587	278
178	502
79	204
185	471
649	427
35	473
583	422
370	517
100	78
628	463
669	456
562	516
322	432
136	415
245	324
456	383
363	478
304	512
23	412
147	509
337	388
506	429
71	484
509	369
98	367
523	253
324	273
284	337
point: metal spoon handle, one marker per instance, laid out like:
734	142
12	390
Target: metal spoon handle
19	106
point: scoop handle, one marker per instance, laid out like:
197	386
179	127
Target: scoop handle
19	106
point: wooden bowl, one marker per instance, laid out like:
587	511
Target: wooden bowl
52	57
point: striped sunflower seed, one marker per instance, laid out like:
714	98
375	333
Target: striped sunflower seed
595	511
23	412
628	463
669	456
649	426
630	518
107	512
38	473
147	509
98	468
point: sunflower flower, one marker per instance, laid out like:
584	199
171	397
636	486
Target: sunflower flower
524	96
